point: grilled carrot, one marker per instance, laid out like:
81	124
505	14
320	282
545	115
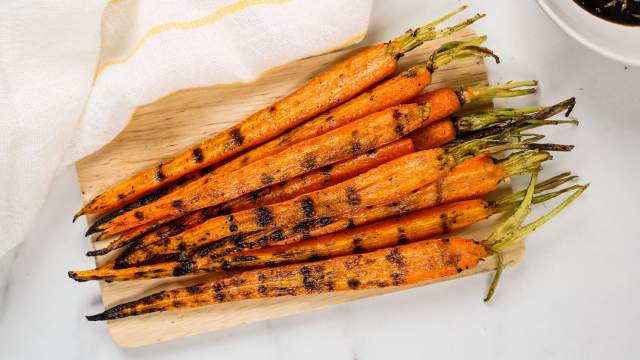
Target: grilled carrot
237	226
354	138
377	186
326	176
326	90
425	138
391	232
400	265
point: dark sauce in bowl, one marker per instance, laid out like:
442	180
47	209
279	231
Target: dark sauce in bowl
625	12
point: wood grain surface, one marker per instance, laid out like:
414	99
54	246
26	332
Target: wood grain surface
160	129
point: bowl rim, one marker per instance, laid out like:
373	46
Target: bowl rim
584	41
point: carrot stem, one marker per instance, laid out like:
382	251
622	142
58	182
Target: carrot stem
511	231
458	50
507	90
414	38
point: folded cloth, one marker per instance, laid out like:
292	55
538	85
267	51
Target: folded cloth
72	72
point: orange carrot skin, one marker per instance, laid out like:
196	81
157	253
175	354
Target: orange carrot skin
352	139
402	265
434	135
396	231
327	176
397	90
328	89
471	179
378	186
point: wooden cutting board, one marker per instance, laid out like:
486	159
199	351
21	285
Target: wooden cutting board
165	127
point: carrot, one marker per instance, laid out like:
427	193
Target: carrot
354	138
315	180
400	265
377	186
391	232
427	137
237	226
326	90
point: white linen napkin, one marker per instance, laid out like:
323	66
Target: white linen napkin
72	72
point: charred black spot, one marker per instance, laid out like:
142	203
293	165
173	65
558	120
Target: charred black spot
411	73
397	278
309	162
394	257
254	196
219	297
182	247
272	108
326	170
324	221
372	152
459	270
235	137
353	198
270	264
353	283
357	245
198	157
264	216
356	147
446	241
395	203
266	179
195	289
329	119
262	289
121	196
402	236
139	215
231	218
351	224
313	278
233	228
397	115
399	129
159	175
244	258
308	207
139	273
439	191
444	223
178	204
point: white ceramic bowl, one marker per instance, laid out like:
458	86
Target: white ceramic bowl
616	41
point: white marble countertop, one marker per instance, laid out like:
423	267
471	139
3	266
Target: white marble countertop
574	297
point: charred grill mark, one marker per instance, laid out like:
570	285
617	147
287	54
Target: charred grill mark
314	279
306	225
308	207
254	196
444	223
198	156
235	138
356	147
353	198
394	257
184	268
353	283
357	245
309	162
159	175
402	236
397	115
195	289
264	216
439	191
266	179
178	204
244	258
399	129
